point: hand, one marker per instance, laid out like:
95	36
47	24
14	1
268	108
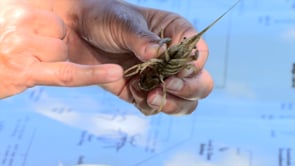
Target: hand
118	32
33	52
113	31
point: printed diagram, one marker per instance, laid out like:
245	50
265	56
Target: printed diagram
116	140
216	153
15	146
285	156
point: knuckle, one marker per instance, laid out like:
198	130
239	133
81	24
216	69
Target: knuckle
65	74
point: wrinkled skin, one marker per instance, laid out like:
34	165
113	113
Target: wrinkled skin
78	43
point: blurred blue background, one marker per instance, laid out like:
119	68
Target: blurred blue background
248	119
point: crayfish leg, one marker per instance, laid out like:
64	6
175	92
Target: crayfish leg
149	63
136	68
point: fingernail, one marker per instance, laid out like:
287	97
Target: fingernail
153	47
134	84
187	71
175	84
156	101
152	51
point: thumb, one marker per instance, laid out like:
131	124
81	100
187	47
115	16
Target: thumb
145	45
71	74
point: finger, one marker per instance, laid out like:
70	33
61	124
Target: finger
70	74
145	45
193	88
203	53
173	104
180	30
172	24
149	103
140	99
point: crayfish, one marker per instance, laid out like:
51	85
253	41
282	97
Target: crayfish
153	72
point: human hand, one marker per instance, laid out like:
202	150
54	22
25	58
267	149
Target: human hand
33	51
121	33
